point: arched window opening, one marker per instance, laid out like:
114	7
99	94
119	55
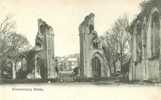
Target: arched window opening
95	44
42	29
91	28
138	41
38	44
155	35
96	67
144	33
39	41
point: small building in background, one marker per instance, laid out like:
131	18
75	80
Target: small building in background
68	63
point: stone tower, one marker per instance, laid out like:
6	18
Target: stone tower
93	63
45	47
84	30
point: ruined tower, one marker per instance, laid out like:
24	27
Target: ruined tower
93	63
44	44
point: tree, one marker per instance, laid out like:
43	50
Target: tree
116	45
16	44
122	37
110	48
11	43
6	26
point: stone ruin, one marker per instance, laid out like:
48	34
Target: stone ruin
93	63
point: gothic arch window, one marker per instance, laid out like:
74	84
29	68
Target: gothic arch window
138	41
91	28
42	29
96	67
144	32
38	42
95	44
97	60
155	34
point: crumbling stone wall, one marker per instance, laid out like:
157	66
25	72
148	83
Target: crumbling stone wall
145	64
90	47
44	51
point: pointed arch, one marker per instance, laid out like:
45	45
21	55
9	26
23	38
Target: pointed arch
155	32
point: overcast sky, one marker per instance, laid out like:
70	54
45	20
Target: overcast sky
65	16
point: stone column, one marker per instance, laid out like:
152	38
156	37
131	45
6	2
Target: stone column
35	70
149	38
13	70
47	56
160	36
134	53
143	33
160	52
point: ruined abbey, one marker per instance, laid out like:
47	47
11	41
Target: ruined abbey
93	63
44	48
145	45
38	63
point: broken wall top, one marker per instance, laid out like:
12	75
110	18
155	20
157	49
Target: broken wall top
88	21
43	26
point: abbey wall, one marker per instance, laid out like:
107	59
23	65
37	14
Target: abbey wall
44	51
93	63
146	46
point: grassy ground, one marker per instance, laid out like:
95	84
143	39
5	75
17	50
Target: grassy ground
80	82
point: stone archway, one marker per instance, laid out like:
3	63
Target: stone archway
155	36
97	64
96	67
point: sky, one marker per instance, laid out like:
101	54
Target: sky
65	16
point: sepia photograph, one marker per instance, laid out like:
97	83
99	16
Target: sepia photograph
56	46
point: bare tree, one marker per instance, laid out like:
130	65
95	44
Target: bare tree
7	25
121	36
110	48
117	43
10	40
11	43
17	43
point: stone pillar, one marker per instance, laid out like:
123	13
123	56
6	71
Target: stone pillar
47	56
160	36
48	46
149	38
13	70
130	71
134	45
35	69
160	52
85	30
50	54
134	54
143	34
146	26
81	39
